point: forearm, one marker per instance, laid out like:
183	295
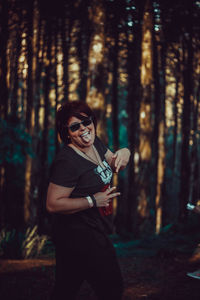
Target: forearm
59	200
67	206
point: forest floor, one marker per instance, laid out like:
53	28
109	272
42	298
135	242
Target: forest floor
153	269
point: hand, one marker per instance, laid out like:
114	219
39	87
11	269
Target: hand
104	198
120	159
197	209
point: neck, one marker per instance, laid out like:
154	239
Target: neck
82	149
91	154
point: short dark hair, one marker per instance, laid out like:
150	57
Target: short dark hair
68	110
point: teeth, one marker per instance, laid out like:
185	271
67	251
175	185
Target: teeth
84	134
86	137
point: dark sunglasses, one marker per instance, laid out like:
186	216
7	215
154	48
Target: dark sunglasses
76	126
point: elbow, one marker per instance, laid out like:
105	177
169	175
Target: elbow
49	207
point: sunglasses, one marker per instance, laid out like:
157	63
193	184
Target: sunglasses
76	126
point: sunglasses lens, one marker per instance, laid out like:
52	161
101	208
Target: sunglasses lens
87	122
74	127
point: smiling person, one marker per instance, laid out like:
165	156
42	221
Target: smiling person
80	198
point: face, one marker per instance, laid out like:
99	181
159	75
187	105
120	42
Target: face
84	136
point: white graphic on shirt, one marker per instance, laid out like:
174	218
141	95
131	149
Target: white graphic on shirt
104	173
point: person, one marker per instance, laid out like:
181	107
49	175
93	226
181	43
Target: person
80	198
196	209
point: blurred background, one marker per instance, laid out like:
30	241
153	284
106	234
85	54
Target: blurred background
137	64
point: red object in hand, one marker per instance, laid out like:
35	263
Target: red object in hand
108	210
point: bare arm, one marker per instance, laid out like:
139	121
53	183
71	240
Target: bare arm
59	201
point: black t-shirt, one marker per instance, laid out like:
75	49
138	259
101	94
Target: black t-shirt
72	170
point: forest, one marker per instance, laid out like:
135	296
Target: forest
137	64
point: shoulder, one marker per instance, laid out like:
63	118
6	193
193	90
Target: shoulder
63	171
100	145
64	159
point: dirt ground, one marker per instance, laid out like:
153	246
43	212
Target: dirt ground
158	275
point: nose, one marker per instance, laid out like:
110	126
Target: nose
82	127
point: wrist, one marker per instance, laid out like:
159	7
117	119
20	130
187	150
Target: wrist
94	200
90	202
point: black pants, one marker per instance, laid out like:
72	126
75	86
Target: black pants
86	254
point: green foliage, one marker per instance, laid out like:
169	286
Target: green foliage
9	244
15	144
33	244
15	245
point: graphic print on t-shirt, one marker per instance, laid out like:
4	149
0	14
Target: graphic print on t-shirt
104	173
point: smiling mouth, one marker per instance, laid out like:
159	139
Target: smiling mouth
86	136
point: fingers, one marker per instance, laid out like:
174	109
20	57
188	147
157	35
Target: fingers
110	194
117	161
109	190
118	165
113	195
104	198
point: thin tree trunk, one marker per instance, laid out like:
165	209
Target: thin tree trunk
65	35
56	86
144	181
29	111
96	77
45	137
3	59
83	46
175	129
188	91
130	218
115	110
3	89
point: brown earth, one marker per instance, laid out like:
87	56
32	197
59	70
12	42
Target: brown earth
146	276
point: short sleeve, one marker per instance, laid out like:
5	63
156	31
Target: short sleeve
63	173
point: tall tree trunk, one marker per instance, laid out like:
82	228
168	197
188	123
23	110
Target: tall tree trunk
29	111
175	110
66	39
159	131
129	215
145	123
12	188
115	112
45	136
56	84
96	76
3	59
188	92
3	87
14	69
83	46
194	161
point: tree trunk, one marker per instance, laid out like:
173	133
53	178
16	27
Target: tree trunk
83	46
114	101
144	180
3	59
45	136
96	68
29	111
129	213
3	88
188	92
